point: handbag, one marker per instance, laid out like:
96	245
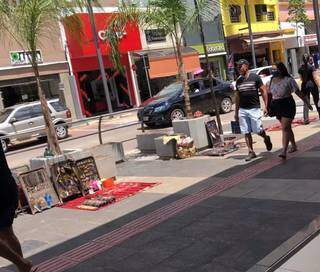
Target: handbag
271	106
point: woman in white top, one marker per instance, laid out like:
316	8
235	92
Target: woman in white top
282	105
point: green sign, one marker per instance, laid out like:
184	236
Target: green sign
212	48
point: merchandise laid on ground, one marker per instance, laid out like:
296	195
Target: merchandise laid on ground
74	185
110	194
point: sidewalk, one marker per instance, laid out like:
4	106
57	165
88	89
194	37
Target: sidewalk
209	214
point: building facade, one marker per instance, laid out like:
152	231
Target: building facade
214	40
267	36
17	82
85	66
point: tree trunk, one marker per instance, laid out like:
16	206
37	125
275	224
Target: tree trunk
50	129
184	79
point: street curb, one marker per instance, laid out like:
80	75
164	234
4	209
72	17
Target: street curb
286	250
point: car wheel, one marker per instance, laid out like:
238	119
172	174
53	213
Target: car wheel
62	131
226	105
4	145
177	114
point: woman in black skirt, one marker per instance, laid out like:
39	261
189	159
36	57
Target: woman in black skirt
282	105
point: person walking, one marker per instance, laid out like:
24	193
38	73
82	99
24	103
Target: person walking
248	108
10	247
310	85
283	106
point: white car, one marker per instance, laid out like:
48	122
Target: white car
263	72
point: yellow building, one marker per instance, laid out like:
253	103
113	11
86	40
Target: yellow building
264	15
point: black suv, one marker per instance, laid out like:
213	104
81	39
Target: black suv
168	104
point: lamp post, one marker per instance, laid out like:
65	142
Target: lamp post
246	5
317	18
209	71
99	55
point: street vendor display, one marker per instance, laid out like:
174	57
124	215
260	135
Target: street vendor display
213	132
66	180
87	172
38	190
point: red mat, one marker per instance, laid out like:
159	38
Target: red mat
119	191
295	123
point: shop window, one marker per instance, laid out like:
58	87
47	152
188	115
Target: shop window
271	14
235	13
23	114
261	12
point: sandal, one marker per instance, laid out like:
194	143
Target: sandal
293	149
282	156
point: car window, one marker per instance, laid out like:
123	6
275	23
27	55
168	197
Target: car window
36	111
5	114
171	89
23	114
194	87
58	106
265	72
207	83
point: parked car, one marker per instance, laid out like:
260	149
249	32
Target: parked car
265	74
168	104
25	121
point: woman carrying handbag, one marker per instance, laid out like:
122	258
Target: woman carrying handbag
282	104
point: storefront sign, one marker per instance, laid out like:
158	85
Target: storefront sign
102	35
155	35
310	40
23	57
212	48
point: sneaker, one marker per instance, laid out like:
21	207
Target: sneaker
251	156
268	143
307	122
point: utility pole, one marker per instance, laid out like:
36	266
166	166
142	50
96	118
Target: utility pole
317	18
246	5
99	55
209	71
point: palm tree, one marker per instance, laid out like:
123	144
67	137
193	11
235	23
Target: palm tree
26	22
175	17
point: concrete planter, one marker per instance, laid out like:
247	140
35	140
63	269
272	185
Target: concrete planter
105	160
146	140
48	162
195	128
103	155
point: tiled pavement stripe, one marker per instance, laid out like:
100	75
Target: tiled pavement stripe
80	254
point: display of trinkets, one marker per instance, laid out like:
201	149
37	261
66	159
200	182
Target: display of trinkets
38	190
99	201
66	180
87	172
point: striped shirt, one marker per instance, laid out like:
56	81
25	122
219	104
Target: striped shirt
248	89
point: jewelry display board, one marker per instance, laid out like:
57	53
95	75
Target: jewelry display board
87	172
213	132
38	190
66	180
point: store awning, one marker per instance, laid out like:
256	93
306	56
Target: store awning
163	62
263	40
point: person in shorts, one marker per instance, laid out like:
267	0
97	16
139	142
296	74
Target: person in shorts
309	85
10	247
248	108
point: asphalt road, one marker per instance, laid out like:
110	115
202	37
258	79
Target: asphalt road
81	137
